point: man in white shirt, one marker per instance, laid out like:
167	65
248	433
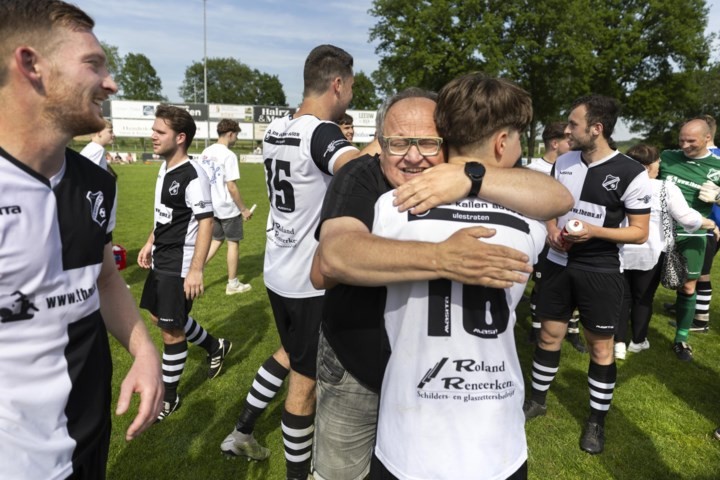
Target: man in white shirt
229	210
95	150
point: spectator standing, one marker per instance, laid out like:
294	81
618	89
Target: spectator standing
642	263
95	150
229	210
347	127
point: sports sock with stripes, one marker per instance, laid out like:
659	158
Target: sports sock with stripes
702	305
601	381
173	363
545	367
298	438
684	313
197	335
265	386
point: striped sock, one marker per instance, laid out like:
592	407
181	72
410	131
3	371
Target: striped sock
173	363
702	306
545	367
601	380
266	385
197	335
298	438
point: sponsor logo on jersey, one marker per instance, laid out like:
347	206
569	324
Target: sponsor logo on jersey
645	199
334	146
459	381
565	172
611	182
10	210
97	210
174	188
713	175
20	308
203	203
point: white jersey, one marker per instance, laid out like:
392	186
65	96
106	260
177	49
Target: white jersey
452	395
540	165
96	153
182	197
221	166
55	366
300	155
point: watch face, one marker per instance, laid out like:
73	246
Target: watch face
475	170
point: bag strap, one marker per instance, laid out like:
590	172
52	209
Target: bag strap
668	223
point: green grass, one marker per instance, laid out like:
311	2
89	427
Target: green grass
659	427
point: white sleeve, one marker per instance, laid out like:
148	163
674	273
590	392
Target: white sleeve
232	172
678	208
198	196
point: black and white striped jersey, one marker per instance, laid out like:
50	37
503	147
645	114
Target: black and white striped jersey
604	192
55	366
182	197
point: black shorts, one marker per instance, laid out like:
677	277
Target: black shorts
378	471
164	297
298	324
597	295
711	248
539	267
93	462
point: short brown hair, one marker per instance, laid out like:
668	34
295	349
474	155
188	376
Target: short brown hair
346	119
553	131
643	153
32	22
323	64
179	120
472	107
227	125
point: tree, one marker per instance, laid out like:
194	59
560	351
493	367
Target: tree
231	81
556	49
114	60
364	93
138	80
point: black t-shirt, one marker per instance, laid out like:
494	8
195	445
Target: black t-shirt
353	316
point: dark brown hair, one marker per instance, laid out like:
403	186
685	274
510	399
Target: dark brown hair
179	120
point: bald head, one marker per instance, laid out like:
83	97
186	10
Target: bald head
695	138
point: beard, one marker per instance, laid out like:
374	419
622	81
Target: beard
71	109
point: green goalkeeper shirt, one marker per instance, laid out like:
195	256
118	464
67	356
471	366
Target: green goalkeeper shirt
689	174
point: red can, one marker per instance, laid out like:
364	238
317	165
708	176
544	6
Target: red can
120	255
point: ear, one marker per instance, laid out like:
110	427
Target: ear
337	84
27	60
180	138
597	129
500	143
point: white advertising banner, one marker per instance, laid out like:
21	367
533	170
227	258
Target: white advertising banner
133	109
241	113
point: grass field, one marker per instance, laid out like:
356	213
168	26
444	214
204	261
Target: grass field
659	427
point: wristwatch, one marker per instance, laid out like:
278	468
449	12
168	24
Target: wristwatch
475	172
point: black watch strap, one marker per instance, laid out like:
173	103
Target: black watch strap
475	172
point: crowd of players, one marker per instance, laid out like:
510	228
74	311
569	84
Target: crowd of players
395	269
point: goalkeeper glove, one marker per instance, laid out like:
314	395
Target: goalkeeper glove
709	192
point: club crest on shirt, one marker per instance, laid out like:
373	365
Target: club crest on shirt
713	175
611	182
646	199
174	188
97	209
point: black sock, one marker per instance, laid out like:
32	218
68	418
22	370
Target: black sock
601	380
173	364
298	433
266	385
545	367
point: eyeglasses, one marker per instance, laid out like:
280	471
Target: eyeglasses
427	146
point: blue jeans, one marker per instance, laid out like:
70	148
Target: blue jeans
345	421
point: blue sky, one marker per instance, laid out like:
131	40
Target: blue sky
273	36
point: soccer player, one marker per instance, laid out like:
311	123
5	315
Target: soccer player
229	210
301	151
356	265
95	150
696	171
176	251
583	268
453	365
60	291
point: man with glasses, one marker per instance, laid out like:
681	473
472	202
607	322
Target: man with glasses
355	265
